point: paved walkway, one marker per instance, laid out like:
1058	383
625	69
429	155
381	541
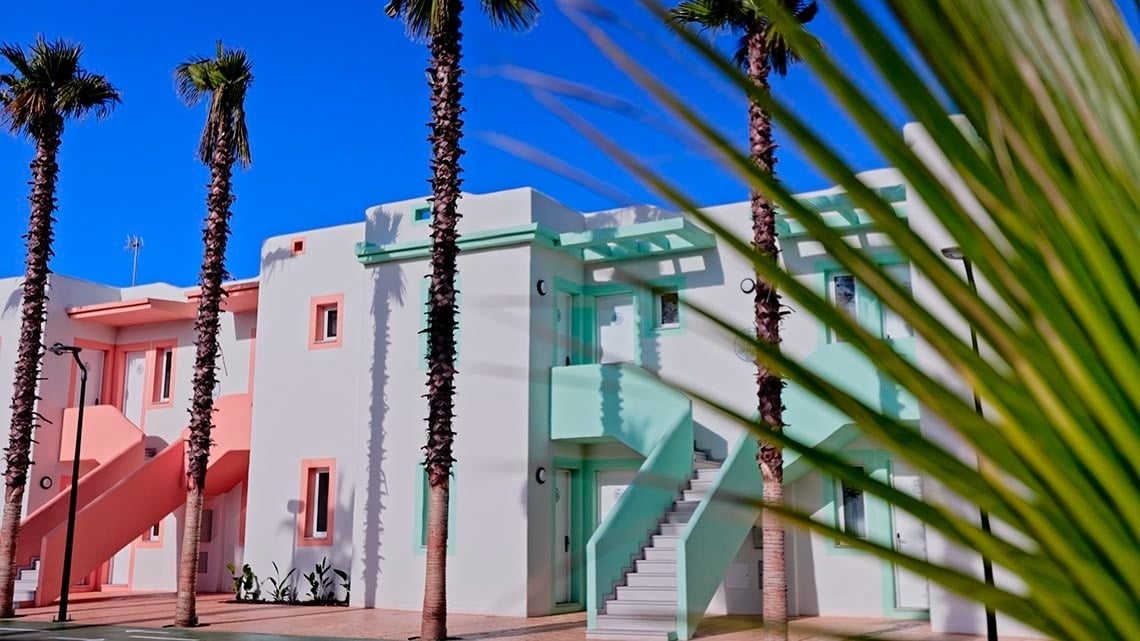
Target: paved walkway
155	611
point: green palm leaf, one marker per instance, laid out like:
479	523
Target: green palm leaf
1038	181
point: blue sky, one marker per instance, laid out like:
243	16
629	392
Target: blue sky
337	123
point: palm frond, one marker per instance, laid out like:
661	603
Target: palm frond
224	80
517	15
1038	184
86	94
420	17
50	85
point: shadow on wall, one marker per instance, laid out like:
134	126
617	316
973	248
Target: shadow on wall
302	560
388	290
14	298
272	261
629	216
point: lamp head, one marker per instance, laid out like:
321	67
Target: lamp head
59	349
954	253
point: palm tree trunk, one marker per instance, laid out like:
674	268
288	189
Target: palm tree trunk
45	171
446	132
768	384
213	275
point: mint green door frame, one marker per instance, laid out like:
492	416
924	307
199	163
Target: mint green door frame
577	536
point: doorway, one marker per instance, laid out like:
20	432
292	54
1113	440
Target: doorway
563	538
94	360
912	592
617	328
134	386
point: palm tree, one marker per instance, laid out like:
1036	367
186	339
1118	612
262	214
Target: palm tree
46	87
224	81
439	22
761	51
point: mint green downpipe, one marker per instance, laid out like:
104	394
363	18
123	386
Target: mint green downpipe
622	402
713	536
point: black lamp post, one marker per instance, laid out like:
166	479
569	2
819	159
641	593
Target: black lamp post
956	253
60	349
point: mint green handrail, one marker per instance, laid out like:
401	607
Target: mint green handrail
632	406
713	536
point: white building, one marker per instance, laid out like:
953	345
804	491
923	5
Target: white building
571	449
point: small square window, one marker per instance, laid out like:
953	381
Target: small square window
325	329
421	214
298	246
852	509
668	313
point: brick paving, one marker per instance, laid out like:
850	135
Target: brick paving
157	610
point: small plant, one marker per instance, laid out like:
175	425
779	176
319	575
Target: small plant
321	588
282	590
345	583
246	586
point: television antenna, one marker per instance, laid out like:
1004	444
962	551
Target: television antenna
134	246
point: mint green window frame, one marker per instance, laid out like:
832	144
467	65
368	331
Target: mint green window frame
870	313
876	512
421	520
425	286
652	295
418	210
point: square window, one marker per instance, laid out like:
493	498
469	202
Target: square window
324	322
852	509
844	296
152	537
421	214
668	312
297	247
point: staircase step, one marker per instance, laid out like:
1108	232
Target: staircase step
637	624
707	473
626	635
678	517
698	485
700	456
664	594
642	608
667	568
24	584
646	580
21	596
664	542
30	575
652	554
685	506
694	496
705	464
672	529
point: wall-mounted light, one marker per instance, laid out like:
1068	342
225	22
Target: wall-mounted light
541	287
540	475
747	285
45	482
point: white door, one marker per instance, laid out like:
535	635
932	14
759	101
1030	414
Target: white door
617	329
121	567
563	329
134	387
563	568
611	485
911	590
93	359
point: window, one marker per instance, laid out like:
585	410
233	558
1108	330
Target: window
318	526
152	537
328	322
160	368
421	214
668	312
852	509
843	294
325	315
297	247
318	482
165	373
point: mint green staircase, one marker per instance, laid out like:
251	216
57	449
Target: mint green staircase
654	564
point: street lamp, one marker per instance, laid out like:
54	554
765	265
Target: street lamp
956	253
60	349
